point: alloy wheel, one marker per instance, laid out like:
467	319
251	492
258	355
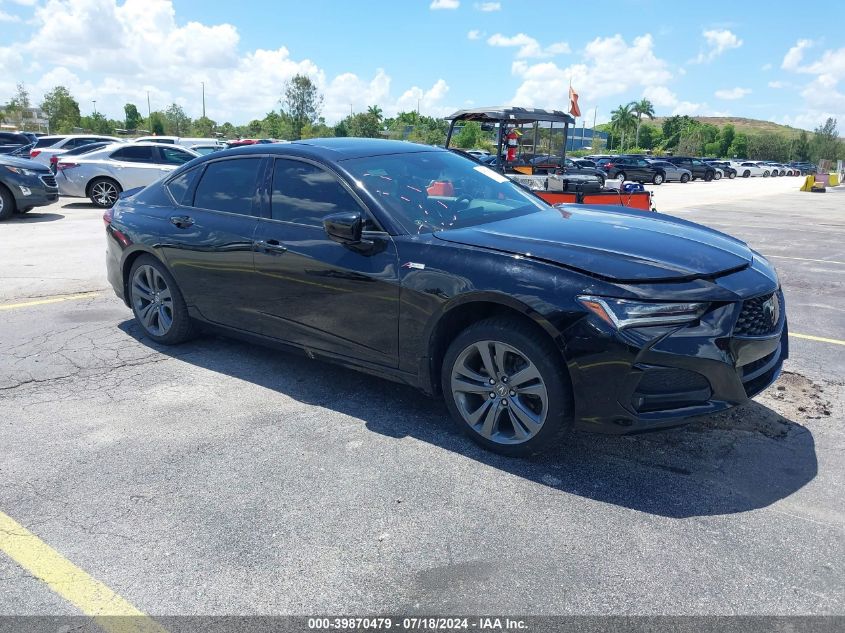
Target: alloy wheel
499	392
152	300
104	193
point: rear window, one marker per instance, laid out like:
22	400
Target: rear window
48	141
181	187
134	154
229	185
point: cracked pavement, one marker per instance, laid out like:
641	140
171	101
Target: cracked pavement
222	478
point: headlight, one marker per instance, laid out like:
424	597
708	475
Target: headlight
21	170
622	313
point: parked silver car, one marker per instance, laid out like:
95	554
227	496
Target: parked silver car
673	172
104	174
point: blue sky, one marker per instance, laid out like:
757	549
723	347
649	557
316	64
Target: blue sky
771	61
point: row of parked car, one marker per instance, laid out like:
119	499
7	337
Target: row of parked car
683	169
656	170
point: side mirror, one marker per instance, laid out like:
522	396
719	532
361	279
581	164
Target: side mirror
344	228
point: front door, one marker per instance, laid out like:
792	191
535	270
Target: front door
313	291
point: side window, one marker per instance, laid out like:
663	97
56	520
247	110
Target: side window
305	194
174	156
229	185
181	187
134	154
642	163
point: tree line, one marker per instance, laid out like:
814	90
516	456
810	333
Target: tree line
300	116
684	135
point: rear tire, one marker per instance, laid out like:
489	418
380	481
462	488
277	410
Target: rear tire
157	302
658	179
531	403
746	173
717	176
621	176
708	176
732	175
104	192
7	204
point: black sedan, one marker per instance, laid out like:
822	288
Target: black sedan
633	168
422	266
24	184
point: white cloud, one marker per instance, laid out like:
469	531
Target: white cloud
528	46
794	55
474	34
766	67
777	84
444	4
427	100
546	84
732	93
717	41
660	96
688	107
146	49
8	17
488	6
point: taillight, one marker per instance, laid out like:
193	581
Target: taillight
54	159
64	166
108	216
609	165
34	152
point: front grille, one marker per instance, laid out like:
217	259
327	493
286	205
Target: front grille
50	181
759	316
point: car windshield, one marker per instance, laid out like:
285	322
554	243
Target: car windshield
436	191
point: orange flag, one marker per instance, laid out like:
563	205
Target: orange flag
574	110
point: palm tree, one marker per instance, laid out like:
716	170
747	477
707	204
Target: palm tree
640	108
622	119
376	112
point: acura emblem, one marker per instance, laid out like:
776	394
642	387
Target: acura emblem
770	309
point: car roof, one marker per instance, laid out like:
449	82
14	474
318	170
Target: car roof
336	149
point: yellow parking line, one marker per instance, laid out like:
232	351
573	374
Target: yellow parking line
820	339
87	594
41	302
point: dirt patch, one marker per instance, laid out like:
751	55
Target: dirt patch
794	398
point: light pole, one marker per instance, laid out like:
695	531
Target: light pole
94	101
203	99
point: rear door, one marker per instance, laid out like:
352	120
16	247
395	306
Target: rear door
209	235
313	291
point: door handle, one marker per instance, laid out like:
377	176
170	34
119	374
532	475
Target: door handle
182	221
273	246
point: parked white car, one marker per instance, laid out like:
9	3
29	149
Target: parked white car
181	140
747	169
48	146
104	174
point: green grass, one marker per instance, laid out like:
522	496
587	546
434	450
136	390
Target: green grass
741	124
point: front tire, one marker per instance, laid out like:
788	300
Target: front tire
684	178
505	388
157	302
7	204
765	174
658	179
732	175
104	192
621	176
717	176
746	174
708	176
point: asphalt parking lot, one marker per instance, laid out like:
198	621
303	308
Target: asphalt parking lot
221	478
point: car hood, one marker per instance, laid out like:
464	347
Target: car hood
622	246
23	163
